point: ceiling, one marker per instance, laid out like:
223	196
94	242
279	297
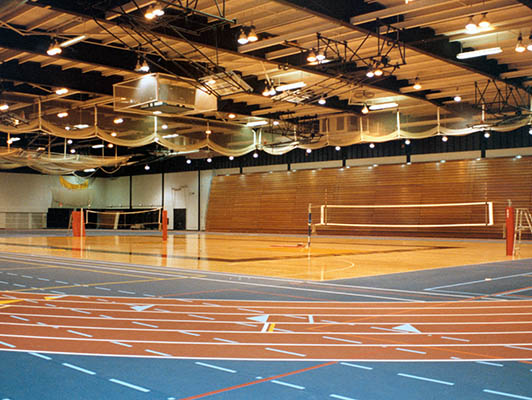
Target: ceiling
413	41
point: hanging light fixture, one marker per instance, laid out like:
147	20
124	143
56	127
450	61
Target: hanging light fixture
242	38
252	35
417	84
471	27
378	71
54	49
322	100
4	107
365	109
370	73
457	96
145	67
321	56
311	56
519	47
484	23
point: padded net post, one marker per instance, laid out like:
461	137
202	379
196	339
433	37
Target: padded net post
164	225
78	224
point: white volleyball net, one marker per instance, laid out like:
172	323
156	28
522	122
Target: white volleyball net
146	219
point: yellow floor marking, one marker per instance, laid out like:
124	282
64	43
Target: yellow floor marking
271	327
99	284
10	301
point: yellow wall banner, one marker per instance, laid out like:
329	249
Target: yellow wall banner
73	186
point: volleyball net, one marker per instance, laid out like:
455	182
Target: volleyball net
153	219
400	216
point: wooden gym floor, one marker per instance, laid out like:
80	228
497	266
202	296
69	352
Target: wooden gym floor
329	258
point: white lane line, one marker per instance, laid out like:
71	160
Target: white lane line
143	324
341	340
296	316
517	347
421	378
8	345
4	282
490	363
157	352
286	352
189	333
20	318
291	385
149	295
282	330
79	333
355	365
410	351
200	316
121	344
129	385
384	329
337	396
40	356
453	338
232	371
225	340
329	322
27	276
102	288
50	305
161	310
32	301
80	311
105	316
62	282
44	279
18	285
250	310
57	292
212	305
11	273
245	324
513	396
184	300
85	371
125	292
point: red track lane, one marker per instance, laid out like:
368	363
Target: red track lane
222	329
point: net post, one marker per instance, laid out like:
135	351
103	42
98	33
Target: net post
78	224
309	224
510	229
164	223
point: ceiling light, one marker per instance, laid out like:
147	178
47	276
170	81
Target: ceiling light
61	91
110	145
407	142
89	170
72	41
275	123
370	73
257	123
54	49
309	151
487	135
242	38
471	27
322	101
255	155
208	131
147	167
444	138
519	47
72	151
97	146
484	23
252	36
372	145
231	158
457	98
379	72
173	135
113	134
81	126
290	86
4	107
311	56
13	139
479	53
338	148
158	10
69	141
209	160
232	116
530	131
144	67
211	81
365	109
382	106
164	126
321	56
417	85
157	112
266	91
62	114
118	120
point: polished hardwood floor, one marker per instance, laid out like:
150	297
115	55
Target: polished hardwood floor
328	258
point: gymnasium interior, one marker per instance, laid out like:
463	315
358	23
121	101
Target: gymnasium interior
285	199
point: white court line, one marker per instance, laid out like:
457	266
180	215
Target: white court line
355	365
232	371
129	385
513	396
421	378
410	350
284	351
291	385
40	356
341	340
489	363
479	281
337	396
85	371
